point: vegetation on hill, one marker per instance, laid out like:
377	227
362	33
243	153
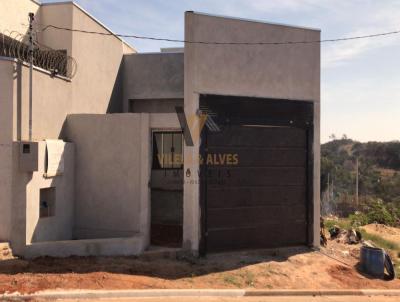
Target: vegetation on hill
378	180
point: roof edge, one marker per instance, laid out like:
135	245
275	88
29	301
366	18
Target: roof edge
154	53
90	16
253	20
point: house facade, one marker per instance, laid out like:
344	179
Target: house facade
207	148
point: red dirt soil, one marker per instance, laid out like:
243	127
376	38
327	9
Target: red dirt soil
296	268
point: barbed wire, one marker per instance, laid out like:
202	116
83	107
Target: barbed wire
14	45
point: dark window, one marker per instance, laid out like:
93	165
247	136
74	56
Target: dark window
47	202
167	150
26	148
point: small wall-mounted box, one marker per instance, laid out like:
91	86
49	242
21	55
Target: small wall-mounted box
28	156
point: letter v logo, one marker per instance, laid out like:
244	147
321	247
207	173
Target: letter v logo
190	125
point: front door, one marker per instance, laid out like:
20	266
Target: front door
167	189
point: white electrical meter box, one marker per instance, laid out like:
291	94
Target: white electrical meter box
28	156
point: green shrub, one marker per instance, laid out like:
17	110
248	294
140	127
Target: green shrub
379	213
358	219
376	212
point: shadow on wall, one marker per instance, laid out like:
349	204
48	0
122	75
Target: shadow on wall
49	217
18	78
53	203
116	103
171	269
19	209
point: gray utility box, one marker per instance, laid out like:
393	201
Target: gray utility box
28	156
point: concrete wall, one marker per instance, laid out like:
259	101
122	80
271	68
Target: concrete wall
6	134
95	89
59	226
152	76
59	15
111	173
270	71
164	121
51	103
84	248
154	105
14	14
27	227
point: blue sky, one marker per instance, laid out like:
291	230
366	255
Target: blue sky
360	88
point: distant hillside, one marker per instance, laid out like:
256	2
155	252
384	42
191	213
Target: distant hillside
379	170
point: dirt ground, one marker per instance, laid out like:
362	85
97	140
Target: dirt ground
386	232
295	268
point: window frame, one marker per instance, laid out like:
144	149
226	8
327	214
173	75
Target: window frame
162	132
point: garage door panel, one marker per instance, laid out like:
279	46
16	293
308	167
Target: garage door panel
258	137
267	236
258	156
254	216
256	176
260	202
223	197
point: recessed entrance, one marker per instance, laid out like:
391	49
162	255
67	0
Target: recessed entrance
167	188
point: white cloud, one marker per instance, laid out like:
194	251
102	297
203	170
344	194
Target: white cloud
372	19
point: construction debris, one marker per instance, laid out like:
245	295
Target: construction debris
323	239
350	236
334	231
353	236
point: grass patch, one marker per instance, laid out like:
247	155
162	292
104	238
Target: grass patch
231	280
342	223
380	242
248	278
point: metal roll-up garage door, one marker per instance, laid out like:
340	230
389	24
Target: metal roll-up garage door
258	200
256	185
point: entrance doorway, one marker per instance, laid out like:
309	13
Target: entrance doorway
167	189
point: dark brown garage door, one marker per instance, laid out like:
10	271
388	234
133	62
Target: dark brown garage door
261	202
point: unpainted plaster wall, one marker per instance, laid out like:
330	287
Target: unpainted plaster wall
268	71
6	134
112	156
27	227
152	76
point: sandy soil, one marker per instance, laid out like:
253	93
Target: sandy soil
386	232
296	268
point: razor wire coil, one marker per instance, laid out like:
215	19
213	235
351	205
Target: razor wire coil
14	45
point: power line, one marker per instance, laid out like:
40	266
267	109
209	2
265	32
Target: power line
222	43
